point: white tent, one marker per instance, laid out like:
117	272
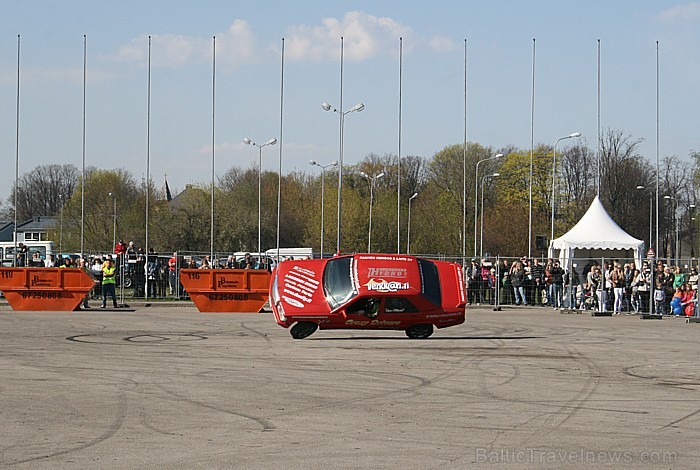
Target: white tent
596	235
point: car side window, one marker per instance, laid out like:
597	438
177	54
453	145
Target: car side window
365	306
431	281
399	305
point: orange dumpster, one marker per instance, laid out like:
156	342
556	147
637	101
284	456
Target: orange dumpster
227	290
54	289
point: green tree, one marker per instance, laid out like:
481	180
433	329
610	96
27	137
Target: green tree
98	219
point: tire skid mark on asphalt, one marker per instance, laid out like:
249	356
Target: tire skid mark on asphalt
575	404
664	382
266	424
679	420
138	337
259	333
146	423
422	382
120	417
516	373
228	372
493	396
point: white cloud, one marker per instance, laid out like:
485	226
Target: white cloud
685	12
442	44
233	46
364	37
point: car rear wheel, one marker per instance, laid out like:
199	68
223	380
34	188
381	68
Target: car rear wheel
303	329
419	331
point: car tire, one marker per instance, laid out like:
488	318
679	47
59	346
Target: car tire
302	329
419	331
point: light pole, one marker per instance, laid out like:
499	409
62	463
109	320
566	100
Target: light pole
481	238
408	237
247	141
476	193
675	208
554	172
371	180
357	108
114	220
691	209
651	214
323	190
60	231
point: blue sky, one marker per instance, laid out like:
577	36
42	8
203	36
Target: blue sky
499	37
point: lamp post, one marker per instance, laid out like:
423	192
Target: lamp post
675	208
476	193
323	190
691	207
247	141
60	230
554	172
371	180
357	108
408	237
481	238
651	213
114	220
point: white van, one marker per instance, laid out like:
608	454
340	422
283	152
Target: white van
293	253
7	251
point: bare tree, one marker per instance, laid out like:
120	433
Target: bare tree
43	190
577	170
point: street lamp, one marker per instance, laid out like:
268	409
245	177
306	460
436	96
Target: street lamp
691	208
371	180
60	231
114	220
651	213
247	141
357	108
323	190
481	238
476	193
408	238
554	172
675	208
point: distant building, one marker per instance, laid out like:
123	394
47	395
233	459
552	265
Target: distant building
6	231
35	229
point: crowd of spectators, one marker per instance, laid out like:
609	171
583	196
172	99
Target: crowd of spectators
610	286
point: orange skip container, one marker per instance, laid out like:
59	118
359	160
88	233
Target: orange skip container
52	289
227	290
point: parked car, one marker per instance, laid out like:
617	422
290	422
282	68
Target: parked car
367	291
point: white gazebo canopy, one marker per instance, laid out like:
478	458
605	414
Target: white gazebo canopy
595	231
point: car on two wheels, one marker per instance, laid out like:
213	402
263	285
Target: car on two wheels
368	291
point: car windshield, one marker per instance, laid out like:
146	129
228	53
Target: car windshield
337	281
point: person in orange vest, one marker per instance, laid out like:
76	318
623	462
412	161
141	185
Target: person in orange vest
109	282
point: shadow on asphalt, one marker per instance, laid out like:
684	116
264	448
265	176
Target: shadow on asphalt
438	338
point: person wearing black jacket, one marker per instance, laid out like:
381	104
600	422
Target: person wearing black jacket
537	274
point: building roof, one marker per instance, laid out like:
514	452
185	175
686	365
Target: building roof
37	224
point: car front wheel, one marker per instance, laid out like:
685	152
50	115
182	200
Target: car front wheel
303	329
419	331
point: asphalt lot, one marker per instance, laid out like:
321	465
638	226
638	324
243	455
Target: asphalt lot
173	388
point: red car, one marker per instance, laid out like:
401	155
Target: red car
367	291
